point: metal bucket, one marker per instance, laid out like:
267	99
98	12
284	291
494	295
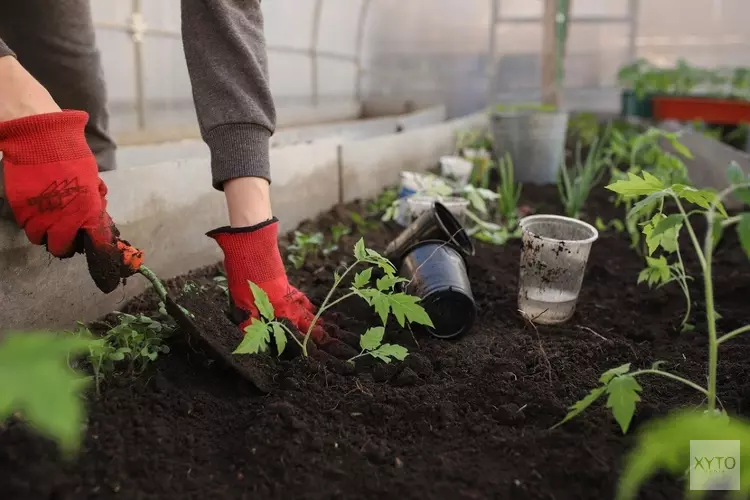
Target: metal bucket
535	141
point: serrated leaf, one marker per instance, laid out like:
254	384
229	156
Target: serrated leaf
637	186
406	307
256	338
372	338
643	275
623	395
360	252
261	301
743	232
387	352
663	445
645	205
279	336
667	223
579	406
362	278
612	372
386	283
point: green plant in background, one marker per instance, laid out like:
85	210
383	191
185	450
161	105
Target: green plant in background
372	345
383	298
38	386
304	246
480	174
520	107
645	152
575	184
620	383
362	224
477	140
584	127
508	191
383	202
129	346
616	224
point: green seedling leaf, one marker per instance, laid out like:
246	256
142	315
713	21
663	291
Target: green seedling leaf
256	338
579	406
636	186
360	252
372	338
261	301
743	232
735	174
361	279
36	382
646	205
406	308
623	395
667	223
613	372
679	147
386	283
387	352
279	337
663	445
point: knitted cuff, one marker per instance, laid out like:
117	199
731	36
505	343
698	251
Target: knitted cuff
45	138
238	150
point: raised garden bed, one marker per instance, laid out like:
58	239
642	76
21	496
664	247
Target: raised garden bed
457	419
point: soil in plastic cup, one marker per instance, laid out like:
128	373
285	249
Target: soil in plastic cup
437	275
418	204
553	262
437	223
457	168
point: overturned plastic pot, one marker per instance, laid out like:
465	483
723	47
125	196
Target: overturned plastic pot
438	223
437	275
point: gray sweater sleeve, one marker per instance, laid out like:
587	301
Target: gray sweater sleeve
226	59
4	50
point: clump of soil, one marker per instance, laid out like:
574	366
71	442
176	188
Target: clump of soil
463	419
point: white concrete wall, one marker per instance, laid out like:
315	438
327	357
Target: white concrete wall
165	208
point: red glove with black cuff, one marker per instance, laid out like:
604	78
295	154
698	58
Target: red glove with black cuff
52	185
252	254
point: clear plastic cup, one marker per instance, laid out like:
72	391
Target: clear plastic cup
553	261
455	167
418	204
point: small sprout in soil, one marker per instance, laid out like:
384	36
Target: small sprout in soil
383	298
664	440
127	347
383	202
616	224
221	284
372	345
362	224
508	191
575	184
305	245
338	231
38	385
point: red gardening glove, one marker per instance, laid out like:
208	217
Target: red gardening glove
252	254
52	185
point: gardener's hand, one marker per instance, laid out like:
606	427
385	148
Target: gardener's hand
53	187
251	254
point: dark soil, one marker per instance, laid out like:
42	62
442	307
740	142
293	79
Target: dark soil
464	419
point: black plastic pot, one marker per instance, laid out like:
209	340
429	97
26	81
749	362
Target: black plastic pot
436	224
437	274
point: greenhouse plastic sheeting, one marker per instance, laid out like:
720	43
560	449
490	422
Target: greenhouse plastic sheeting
422	51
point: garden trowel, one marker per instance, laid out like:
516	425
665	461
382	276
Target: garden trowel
206	325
